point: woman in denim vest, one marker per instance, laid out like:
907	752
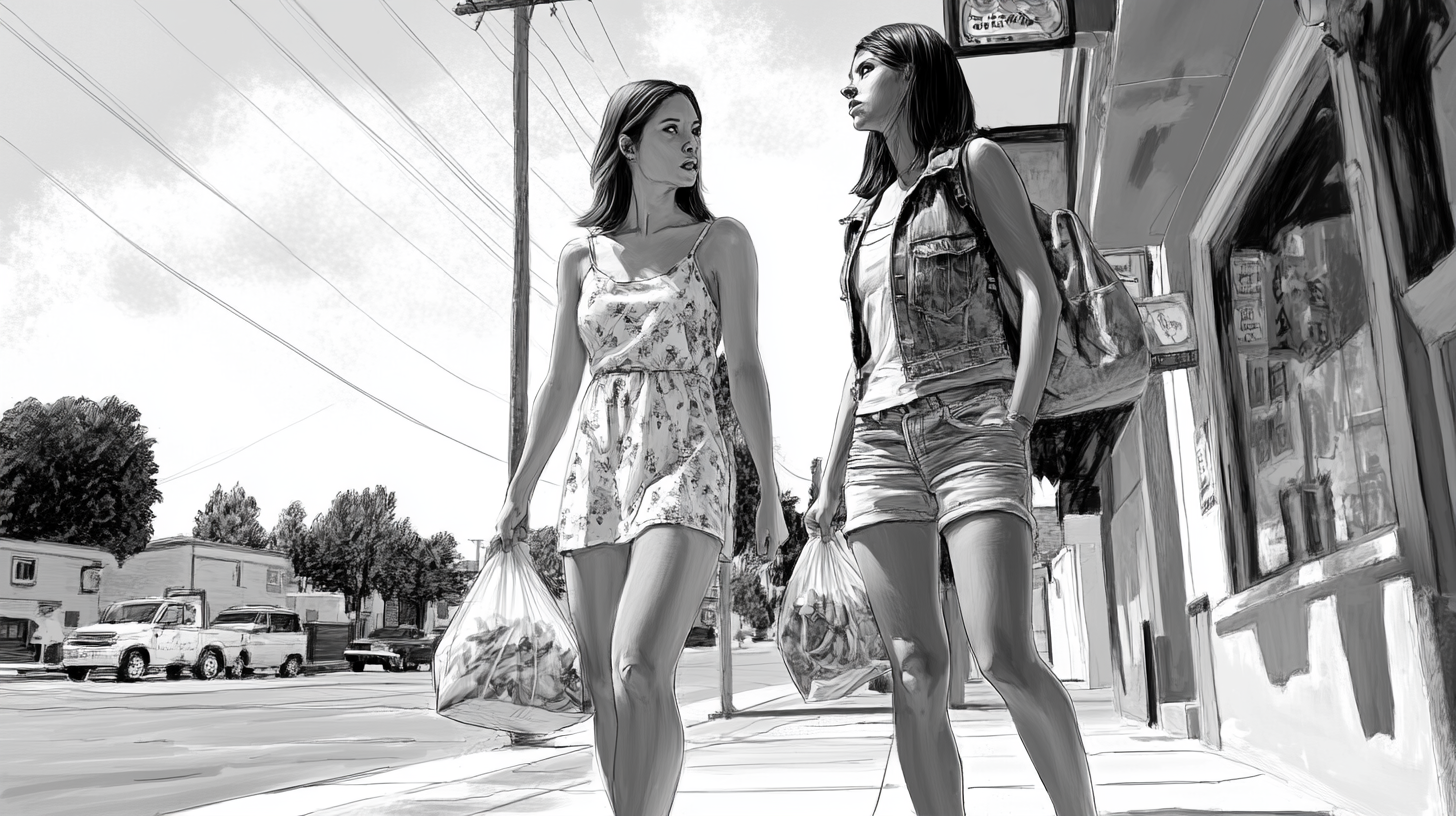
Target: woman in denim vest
931	437
643	301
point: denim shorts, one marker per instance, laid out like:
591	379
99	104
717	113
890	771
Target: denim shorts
938	459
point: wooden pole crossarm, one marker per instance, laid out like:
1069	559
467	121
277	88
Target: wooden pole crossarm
482	6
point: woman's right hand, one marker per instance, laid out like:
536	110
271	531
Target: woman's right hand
510	524
819	518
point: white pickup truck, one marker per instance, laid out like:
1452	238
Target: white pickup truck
136	636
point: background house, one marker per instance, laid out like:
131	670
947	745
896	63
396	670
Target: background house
68	577
229	574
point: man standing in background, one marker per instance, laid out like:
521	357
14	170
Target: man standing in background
48	636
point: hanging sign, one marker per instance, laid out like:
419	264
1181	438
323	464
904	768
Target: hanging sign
975	27
1206	499
1169	324
1131	266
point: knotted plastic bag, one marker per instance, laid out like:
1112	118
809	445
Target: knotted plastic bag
508	659
827	634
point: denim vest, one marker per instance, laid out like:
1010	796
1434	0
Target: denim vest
945	307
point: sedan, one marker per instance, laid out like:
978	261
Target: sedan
396	648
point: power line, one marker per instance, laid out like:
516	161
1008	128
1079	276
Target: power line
194	468
609	38
785	468
534	84
232	309
355	71
584	50
567	77
145	132
316	161
577	48
559	95
421	43
424	136
389	151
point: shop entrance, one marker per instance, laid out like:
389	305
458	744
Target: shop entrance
15	636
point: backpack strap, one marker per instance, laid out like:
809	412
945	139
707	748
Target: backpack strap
1010	306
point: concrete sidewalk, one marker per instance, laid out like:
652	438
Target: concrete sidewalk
780	756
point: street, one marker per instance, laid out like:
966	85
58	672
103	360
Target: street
158	746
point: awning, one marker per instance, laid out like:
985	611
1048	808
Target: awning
1174	60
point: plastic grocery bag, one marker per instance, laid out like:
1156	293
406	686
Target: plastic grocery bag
508	659
827	634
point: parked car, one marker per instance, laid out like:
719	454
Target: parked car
275	639
137	636
701	636
396	648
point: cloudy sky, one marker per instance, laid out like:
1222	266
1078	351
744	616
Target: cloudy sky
335	184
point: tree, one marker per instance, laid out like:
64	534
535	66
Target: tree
292	536
78	472
348	543
783	567
230	517
419	570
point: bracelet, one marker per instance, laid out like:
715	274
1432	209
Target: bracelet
1024	422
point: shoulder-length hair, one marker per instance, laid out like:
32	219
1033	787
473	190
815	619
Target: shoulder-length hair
938	108
628	112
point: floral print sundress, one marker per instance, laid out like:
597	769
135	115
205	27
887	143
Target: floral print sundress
648	448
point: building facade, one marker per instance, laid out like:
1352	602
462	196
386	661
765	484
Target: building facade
65	577
1281	549
229	574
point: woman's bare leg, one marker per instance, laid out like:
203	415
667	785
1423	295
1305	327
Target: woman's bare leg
991	555
900	562
667	577
594	579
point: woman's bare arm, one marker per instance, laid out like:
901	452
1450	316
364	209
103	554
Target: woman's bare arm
730	252
1005	209
553	404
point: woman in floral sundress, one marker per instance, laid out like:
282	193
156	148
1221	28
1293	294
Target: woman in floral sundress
643	301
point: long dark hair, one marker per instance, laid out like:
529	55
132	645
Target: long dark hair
938	106
628	111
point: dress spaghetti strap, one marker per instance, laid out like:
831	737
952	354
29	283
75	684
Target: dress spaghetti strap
692	253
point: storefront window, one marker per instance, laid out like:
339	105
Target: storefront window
1309	406
1396	50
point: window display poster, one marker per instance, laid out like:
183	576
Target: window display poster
1278	381
1257	381
1251	270
1206	500
1281	436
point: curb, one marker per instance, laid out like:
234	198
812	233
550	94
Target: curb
301	800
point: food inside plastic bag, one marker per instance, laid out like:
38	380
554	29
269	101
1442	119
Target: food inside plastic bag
508	659
827	634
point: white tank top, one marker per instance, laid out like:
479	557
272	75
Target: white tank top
884	371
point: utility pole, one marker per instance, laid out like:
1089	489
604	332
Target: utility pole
521	287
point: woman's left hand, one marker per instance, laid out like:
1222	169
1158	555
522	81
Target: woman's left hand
770	530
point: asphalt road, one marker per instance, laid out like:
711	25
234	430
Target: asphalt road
160	746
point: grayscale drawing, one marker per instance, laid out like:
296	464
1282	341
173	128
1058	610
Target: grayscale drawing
636	407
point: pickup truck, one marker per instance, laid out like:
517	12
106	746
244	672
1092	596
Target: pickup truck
136	636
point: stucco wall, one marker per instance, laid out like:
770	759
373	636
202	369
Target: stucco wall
1311	725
